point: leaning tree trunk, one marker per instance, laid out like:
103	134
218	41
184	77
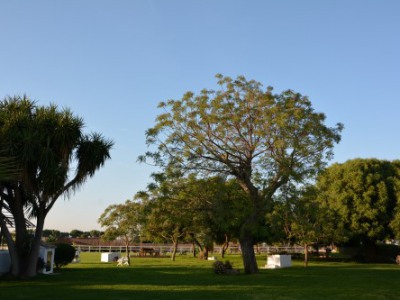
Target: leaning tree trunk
203	250
225	246
19	248
12	249
31	269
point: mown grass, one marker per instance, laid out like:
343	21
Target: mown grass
190	278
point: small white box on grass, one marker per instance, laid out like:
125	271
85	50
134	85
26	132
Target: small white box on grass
109	256
278	261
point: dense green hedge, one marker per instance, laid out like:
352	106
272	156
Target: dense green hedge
378	253
64	254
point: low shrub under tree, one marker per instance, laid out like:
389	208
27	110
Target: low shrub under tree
64	254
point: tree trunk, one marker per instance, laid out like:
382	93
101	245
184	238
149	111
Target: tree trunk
306	255
194	249
174	249
225	246
316	246
19	248
31	269
248	255
247	237
204	253
255	219
12	249
127	253
198	244
328	251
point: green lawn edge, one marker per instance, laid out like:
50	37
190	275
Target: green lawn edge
191	278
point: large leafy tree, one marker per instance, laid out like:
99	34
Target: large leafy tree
122	221
54	158
241	130
362	198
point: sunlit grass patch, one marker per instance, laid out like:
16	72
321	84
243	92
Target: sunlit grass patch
191	278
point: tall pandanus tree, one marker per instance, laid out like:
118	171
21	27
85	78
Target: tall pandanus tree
54	157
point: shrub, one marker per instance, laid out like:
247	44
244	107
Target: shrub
375	253
219	267
64	254
224	268
388	253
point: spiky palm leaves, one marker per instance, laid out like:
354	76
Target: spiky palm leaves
53	154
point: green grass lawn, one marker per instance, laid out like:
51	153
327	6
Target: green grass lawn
190	278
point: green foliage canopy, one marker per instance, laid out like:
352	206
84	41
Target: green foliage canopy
202	210
122	221
362	198
244	131
260	138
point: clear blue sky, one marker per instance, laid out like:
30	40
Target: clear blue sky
112	61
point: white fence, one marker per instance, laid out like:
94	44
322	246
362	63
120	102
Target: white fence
185	248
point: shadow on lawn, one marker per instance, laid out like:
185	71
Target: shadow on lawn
182	282
142	275
131	283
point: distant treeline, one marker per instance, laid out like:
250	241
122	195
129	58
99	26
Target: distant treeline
54	235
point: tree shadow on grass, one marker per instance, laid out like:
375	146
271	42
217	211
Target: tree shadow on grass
151	282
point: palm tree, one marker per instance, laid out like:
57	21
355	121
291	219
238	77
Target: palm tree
48	143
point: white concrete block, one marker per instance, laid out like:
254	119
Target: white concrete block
109	256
